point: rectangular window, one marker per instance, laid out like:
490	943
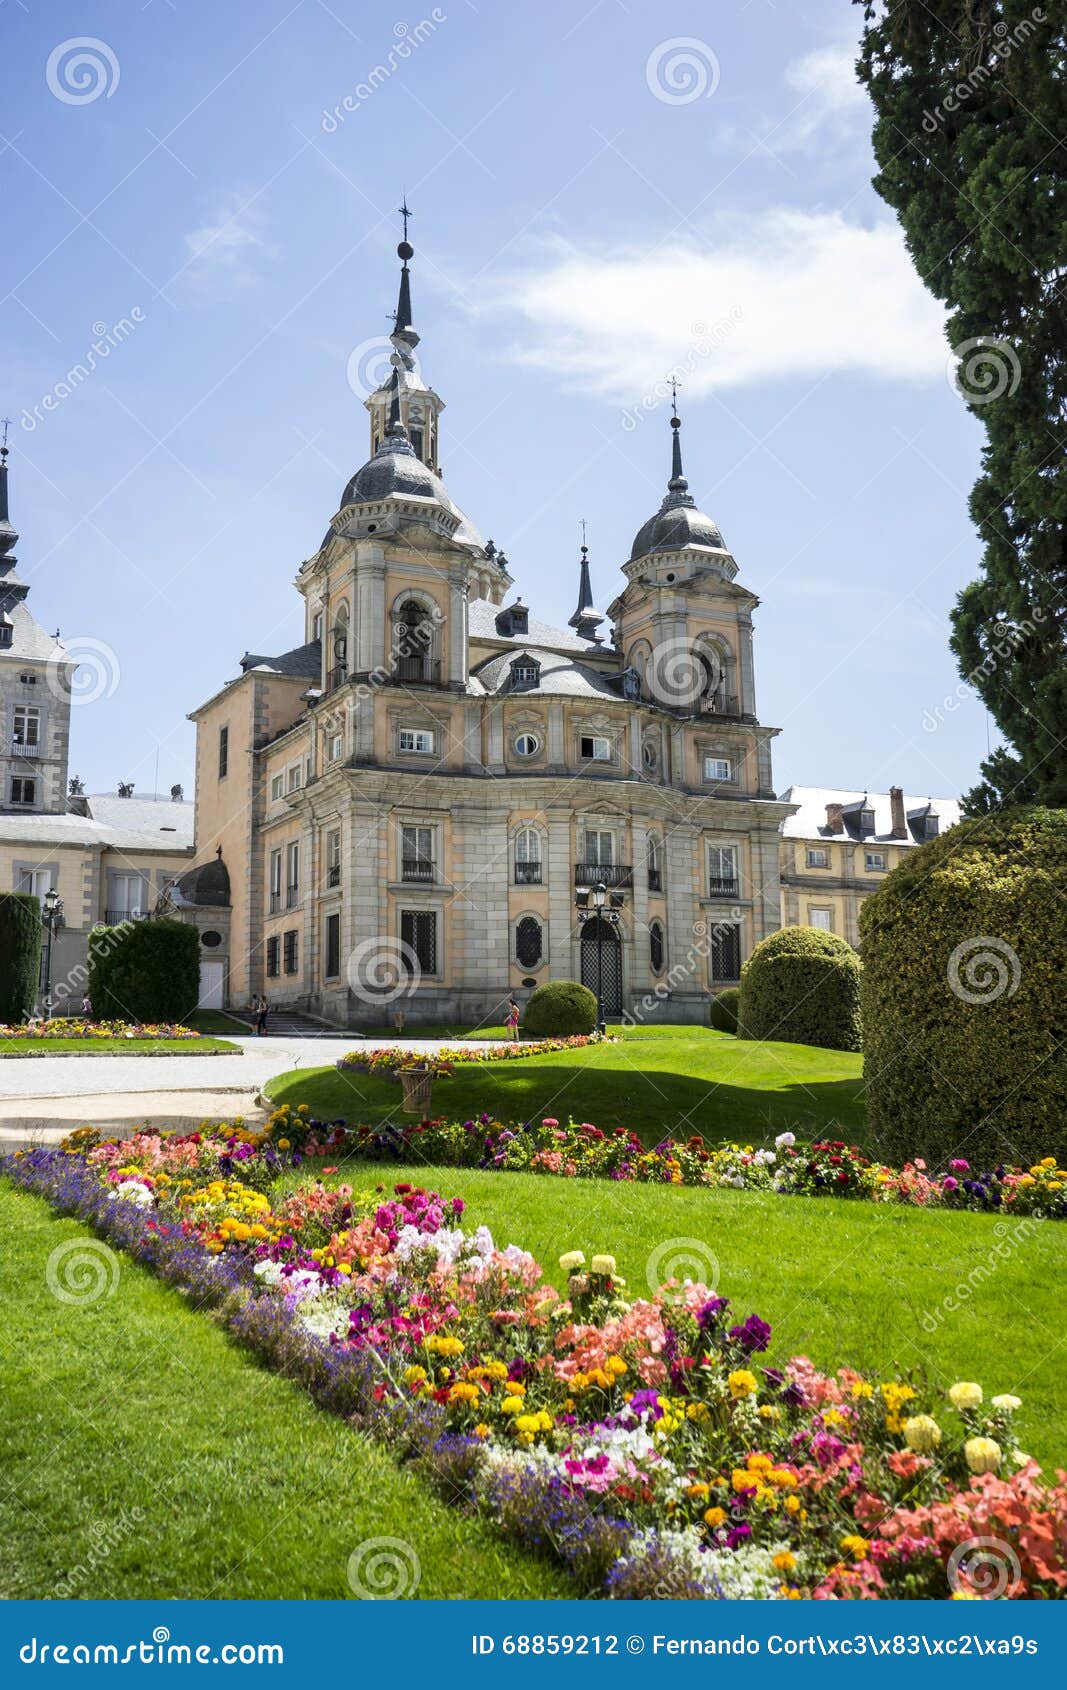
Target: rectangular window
292	874
35	880
725	952
331	947
224	752
23	791
127	898
818	858
596	747
599	847
416	739
822	919
932	827
316	626
333	857
718	768
722	871
418	940
289	950
277	788
866	821
874	862
275	882
293	778
416	853
337	748
26	729
273	955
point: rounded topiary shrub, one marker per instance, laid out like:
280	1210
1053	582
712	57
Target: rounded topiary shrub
20	954
144	971
558	1009
802	985
724	1010
964	1001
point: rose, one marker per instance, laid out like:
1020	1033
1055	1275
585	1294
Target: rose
922	1433
965	1395
982	1455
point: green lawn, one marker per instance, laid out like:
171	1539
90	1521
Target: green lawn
111	1047
139	1403
660	1081
846	1283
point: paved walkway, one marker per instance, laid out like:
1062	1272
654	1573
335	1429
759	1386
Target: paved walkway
43	1098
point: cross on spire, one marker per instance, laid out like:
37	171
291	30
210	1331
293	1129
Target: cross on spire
405	212
581	525
675	384
5	423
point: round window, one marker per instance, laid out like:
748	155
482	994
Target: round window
211	939
649	755
527	745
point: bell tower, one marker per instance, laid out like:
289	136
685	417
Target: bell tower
420	406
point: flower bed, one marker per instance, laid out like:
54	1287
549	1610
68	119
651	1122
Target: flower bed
388	1061
642	1441
824	1168
70	1028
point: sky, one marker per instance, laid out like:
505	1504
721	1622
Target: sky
200	212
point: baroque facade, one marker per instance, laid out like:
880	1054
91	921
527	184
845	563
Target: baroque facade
408	808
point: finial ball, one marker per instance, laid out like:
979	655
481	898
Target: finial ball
405	251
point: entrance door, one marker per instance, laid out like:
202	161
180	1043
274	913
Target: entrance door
609	966
212	979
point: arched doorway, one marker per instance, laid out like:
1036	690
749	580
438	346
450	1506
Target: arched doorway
602	963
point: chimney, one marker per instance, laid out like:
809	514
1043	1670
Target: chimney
176	794
835	818
898	821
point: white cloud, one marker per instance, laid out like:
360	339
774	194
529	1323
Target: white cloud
828	97
224	253
777	297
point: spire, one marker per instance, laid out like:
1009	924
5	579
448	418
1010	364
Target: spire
677	483
586	620
403	330
396	435
8	536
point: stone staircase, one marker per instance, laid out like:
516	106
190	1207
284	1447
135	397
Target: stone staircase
293	1024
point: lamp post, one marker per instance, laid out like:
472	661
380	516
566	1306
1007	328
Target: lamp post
52	914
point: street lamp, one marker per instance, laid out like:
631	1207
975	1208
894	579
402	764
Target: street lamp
591	906
52	915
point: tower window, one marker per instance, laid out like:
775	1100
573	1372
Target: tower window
23	791
527	745
595	747
718	768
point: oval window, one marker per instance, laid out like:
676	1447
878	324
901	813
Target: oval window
211	939
527	745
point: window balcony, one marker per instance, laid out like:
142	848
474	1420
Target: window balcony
655	880
611	874
275	903
527	874
417	868
333	875
719	888
19	748
720	704
115	918
338	676
292	897
424	671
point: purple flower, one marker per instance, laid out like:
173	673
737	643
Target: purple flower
755	1334
709	1312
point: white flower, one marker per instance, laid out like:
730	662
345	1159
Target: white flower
784	1140
1007	1402
270	1273
483	1242
132	1191
738	1182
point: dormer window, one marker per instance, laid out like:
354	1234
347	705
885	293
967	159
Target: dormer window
7	629
931	826
866	821
525	673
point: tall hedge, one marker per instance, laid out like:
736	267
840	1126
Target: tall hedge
20	954
802	985
560	1008
144	971
965	994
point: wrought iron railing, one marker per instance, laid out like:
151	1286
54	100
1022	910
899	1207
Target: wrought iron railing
608	874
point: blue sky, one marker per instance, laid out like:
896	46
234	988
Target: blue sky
600	195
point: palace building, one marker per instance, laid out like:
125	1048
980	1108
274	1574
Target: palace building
412	808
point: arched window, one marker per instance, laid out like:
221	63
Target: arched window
415	642
655	947
529	942
338	654
655	877
528	857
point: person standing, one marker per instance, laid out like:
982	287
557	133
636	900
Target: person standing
513	1018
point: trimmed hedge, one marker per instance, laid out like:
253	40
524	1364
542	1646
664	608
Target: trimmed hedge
802	985
559	1008
965	994
20	954
144	971
725	1007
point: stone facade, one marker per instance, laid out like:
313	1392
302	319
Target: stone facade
416	804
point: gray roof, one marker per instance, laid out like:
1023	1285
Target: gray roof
205	887
482	625
809	822
303	660
396	472
560	676
128	824
676	525
29	639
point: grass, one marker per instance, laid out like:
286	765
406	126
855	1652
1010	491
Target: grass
846	1283
116	1047
134	1423
660	1081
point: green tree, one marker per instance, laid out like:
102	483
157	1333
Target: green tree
971	143
20	954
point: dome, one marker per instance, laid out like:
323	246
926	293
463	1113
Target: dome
207	886
674	527
395	472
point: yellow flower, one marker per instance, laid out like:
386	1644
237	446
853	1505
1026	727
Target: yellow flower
715	1517
602	1264
481	1430
512	1405
742	1384
922	1433
855	1546
698	1412
468	1394
785	1562
283	1144
616	1367
965	1395
792	1504
982	1454
573	1259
